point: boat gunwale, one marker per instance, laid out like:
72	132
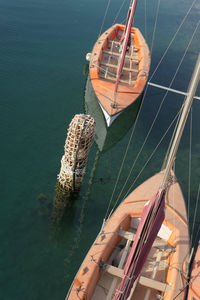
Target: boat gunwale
103	88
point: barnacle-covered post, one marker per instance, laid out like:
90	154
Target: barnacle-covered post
77	146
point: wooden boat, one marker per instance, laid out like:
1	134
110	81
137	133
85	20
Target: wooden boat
194	284
119	67
163	273
141	251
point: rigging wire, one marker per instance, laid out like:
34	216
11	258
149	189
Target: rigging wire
155	149
195	214
128	145
155	26
124	158
173	190
122	164
145	19
189	171
108	5
117	15
164	97
172	40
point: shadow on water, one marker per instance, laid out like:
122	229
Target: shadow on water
107	137
79	226
62	214
45	205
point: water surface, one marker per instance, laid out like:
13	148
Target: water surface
43	47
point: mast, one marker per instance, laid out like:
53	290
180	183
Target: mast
153	213
185	111
125	43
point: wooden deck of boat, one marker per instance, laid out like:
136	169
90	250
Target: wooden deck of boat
110	60
151	282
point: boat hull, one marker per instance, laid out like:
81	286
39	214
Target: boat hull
106	137
194	286
103	68
91	276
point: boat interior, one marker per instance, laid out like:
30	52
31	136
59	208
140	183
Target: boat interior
110	60
152	282
164	273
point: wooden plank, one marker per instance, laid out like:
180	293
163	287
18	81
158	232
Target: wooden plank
121	80
118	54
160	244
148	282
114	271
115	67
106	73
114	282
154	284
127	234
118	43
153	274
163	245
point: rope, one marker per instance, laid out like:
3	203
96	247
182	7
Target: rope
187	13
187	284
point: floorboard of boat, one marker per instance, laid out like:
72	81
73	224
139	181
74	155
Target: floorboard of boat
106	279
110	61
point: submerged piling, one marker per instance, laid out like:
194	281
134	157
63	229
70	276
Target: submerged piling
77	146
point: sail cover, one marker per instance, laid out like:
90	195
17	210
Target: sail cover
125	42
153	215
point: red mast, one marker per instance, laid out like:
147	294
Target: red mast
125	43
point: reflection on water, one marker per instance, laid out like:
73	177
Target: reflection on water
107	137
62	212
79	226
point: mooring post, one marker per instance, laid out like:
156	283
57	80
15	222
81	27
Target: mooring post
77	146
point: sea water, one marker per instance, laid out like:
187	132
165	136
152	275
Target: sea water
42	54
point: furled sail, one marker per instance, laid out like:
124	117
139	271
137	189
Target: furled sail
151	220
126	39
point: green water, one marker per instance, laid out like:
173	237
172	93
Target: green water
42	53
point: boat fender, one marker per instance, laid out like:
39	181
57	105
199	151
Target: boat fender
88	56
77	282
